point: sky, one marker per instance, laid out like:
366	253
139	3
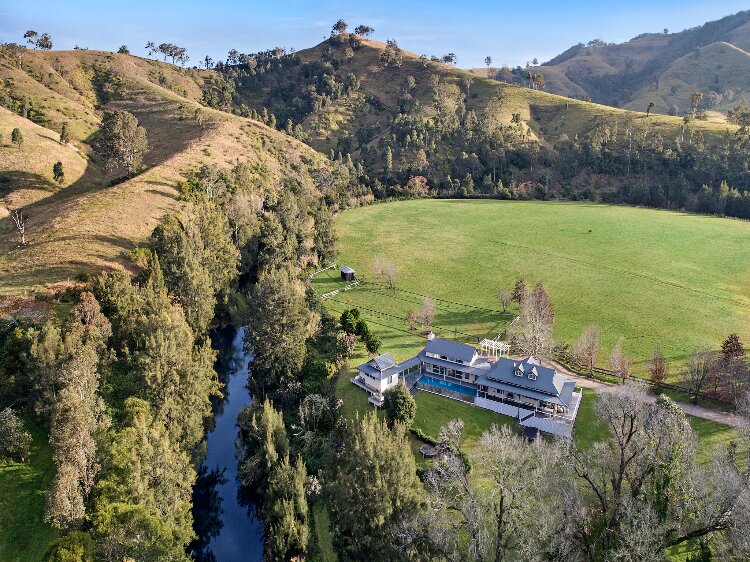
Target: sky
512	33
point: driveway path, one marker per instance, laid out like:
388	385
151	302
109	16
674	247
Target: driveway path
691	409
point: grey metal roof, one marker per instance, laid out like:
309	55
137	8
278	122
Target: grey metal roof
346	269
548	381
449	348
527	392
384	361
385	366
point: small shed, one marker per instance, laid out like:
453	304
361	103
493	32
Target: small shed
347	273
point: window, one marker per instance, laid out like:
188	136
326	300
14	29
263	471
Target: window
519	373
532	376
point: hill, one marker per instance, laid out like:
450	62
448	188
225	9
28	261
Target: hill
86	224
410	127
356	99
665	68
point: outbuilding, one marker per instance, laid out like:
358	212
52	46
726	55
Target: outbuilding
347	273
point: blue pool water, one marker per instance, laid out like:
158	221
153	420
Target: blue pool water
455	387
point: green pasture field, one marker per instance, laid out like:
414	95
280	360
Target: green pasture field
663	279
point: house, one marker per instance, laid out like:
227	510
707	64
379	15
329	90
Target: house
381	373
448	358
528	384
347	273
538	396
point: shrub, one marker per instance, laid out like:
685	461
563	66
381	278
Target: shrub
14	439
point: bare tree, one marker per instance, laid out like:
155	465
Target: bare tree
697	372
619	364
531	331
385	269
425	315
505	298
586	348
20	220
657	368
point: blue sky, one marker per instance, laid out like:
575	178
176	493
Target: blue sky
511	32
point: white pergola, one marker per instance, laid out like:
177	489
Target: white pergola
494	347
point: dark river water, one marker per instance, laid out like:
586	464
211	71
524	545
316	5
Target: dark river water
225	521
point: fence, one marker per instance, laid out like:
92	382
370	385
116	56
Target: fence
609	376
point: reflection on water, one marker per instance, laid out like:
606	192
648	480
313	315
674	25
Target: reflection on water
225	521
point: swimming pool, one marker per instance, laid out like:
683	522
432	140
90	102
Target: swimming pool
440	383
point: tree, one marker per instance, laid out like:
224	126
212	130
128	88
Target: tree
121	141
31	37
657	368
586	348
384	269
399	405
19	220
281	324
388	160
339	27
287	511
208	62
732	372
264	443
14	439
695	100
450	58
531	331
198	259
372	343
16	137
618	363
57	172
373	486
697	372
77	412
519	291
363	30
649	108
488	61
426	313
44	42
123	50
77	546
151	48
505	297
64	134
512	515
142	503
633	484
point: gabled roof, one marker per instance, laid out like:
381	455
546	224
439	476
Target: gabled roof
452	349
346	269
547	381
384	366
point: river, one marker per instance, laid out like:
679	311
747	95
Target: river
225	521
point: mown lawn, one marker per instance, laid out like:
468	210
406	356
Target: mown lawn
24	536
656	278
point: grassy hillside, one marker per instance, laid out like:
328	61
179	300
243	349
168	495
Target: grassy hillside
372	109
656	278
84	225
659	67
